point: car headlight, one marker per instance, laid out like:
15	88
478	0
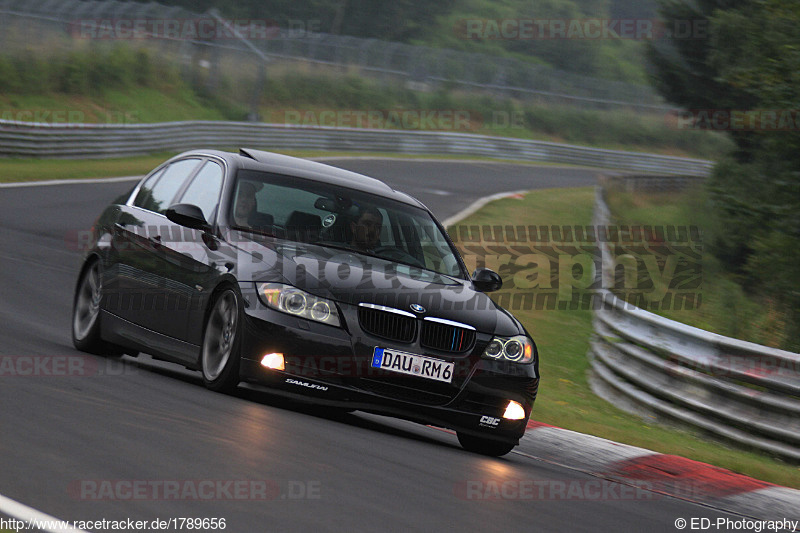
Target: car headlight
293	301
517	349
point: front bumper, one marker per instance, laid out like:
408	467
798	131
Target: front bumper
326	366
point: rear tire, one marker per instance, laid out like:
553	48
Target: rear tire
492	448
86	313
219	356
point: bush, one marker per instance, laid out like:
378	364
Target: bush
10	80
72	78
35	75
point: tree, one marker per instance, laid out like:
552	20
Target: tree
748	63
684	72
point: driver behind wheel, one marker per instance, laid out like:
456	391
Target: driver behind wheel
245	211
366	229
246	204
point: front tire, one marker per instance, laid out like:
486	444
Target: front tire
219	358
492	448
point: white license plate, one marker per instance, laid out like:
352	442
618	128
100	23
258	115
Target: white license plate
412	364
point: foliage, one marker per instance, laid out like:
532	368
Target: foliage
726	307
315	93
748	62
84	72
442	24
562	336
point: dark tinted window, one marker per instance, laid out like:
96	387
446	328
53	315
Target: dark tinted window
159	190
343	218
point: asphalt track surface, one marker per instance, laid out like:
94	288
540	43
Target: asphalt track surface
67	441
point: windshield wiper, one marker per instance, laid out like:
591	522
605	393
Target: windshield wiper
377	256
257	230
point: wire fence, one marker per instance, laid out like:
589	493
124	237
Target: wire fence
210	48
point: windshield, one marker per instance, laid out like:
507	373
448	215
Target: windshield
307	211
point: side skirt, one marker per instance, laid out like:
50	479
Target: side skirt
125	333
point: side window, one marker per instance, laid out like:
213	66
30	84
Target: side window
204	189
143	196
158	195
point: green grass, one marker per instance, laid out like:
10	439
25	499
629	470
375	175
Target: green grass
114	106
565	399
336	102
119	84
18	170
726	308
620	130
33	169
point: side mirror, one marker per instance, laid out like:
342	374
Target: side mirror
486	280
188	215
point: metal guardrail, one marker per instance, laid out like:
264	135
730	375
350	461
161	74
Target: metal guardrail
737	390
651	184
53	140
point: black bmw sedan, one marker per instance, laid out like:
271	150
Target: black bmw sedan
323	285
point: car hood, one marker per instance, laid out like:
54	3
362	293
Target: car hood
354	278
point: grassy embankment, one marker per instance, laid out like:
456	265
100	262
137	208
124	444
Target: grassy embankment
122	85
726	307
565	399
333	100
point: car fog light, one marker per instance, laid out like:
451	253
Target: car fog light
273	361
514	411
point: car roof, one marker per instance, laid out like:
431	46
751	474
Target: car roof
259	160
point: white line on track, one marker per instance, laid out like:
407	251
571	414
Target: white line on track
29	515
475	206
66	182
